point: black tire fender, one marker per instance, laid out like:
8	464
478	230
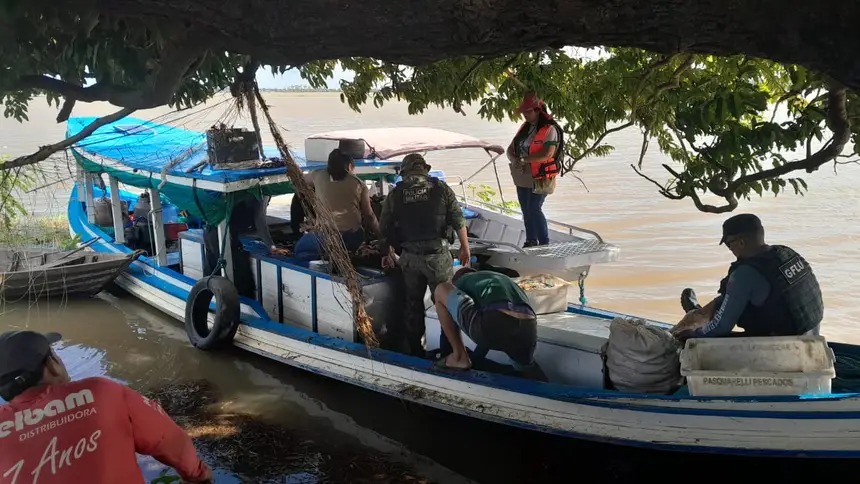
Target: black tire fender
227	311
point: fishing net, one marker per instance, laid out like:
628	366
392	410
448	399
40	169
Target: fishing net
324	225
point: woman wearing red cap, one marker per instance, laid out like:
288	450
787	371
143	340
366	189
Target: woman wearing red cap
534	153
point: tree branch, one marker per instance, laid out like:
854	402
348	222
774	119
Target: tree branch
66	110
673	82
158	89
46	151
728	189
68	105
663	190
837	121
599	139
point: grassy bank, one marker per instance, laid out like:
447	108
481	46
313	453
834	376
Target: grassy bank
42	232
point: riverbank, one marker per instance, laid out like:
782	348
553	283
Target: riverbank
47	231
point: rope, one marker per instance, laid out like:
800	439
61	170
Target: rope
324	227
582	299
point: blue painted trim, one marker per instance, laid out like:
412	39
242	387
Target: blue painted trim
314	323
259	282
280	294
603	314
583	396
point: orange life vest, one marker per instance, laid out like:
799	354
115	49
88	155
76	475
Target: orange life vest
545	168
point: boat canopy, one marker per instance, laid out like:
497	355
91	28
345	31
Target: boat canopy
173	160
387	143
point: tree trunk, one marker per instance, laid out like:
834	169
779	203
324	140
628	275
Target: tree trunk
821	35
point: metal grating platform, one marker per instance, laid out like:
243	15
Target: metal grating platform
560	250
556	250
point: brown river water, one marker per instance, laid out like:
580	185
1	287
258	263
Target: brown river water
345	434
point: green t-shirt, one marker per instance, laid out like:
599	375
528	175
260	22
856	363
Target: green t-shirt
489	288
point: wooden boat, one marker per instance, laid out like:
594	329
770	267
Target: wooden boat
302	316
35	274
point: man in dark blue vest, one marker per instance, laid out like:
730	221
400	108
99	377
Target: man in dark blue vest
770	290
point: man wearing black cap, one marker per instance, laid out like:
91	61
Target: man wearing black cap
770	290
53	430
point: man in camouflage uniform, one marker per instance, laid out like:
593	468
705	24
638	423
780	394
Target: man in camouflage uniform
415	218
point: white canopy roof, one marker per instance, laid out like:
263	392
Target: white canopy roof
386	143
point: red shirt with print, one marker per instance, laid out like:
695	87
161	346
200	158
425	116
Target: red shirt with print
88	431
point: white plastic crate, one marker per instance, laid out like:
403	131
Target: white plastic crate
759	366
545	300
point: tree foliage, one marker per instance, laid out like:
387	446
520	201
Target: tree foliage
711	115
734	126
130	62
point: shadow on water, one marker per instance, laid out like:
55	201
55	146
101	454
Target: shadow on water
256	420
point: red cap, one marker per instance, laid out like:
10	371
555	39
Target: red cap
530	101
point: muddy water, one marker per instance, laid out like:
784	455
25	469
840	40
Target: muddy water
123	339
665	246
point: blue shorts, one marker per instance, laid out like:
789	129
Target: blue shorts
493	329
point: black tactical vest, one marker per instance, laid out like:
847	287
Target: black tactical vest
794	305
419	212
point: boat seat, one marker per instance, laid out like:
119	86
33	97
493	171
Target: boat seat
587	333
61	262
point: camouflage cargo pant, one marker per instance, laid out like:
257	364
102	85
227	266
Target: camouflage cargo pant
419	272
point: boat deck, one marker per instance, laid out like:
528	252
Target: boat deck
574	330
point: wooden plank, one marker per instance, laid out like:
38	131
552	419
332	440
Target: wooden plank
116	211
295	296
80	175
192	256
59	263
268	289
334	310
157	222
88	196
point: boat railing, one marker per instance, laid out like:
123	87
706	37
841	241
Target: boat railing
554	224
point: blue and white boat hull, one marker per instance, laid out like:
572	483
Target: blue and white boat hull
812	426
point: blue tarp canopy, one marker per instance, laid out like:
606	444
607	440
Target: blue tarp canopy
148	146
135	151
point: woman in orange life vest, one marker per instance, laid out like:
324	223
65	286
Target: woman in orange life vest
532	154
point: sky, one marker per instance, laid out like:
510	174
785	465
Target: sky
291	78
267	80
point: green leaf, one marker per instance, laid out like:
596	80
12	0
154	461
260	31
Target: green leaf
758	188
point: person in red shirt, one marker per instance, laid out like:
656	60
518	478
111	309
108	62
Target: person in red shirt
53	430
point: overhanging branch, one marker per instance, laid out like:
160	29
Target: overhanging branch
729	189
156	90
46	151
837	121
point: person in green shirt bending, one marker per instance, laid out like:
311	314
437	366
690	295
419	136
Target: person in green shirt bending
493	311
